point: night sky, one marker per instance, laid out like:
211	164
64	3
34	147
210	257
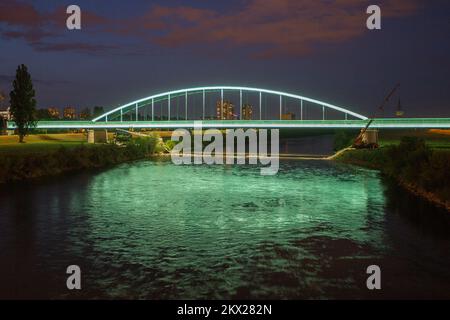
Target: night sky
321	49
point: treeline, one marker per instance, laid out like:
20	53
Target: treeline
67	113
412	163
343	139
24	166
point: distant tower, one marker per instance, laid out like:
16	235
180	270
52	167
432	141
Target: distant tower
53	112
399	113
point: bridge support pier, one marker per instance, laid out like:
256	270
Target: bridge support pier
97	136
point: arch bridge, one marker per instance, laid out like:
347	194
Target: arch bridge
235	107
169	105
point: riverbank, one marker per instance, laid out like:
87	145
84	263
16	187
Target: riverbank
40	159
421	170
38	143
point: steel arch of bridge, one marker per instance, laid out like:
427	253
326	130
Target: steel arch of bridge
203	90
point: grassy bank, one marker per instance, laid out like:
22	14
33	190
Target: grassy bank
40	143
57	155
434	138
418	167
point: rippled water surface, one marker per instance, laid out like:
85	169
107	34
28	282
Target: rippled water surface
156	230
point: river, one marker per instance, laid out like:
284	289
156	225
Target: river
153	230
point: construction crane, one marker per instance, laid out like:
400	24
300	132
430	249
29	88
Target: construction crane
359	141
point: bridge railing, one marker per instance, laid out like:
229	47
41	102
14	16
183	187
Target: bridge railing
385	123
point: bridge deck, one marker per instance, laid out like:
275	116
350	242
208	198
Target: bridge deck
425	123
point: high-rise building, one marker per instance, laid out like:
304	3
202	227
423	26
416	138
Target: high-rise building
5	114
247	112
4	111
70	113
53	112
225	110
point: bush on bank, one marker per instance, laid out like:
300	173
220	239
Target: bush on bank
411	162
343	139
24	166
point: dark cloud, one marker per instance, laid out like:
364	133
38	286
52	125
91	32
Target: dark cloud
283	27
73	47
41	30
22	20
265	27
15	13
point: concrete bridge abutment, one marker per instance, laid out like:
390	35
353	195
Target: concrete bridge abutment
97	136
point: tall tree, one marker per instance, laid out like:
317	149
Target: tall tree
23	103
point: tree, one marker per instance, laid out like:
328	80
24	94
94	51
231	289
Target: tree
98	111
343	139
23	103
85	114
43	114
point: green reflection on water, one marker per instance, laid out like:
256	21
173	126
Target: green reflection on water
202	231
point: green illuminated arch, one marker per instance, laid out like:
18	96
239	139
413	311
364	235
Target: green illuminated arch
166	95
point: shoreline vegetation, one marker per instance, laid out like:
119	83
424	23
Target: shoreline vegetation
53	158
415	166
